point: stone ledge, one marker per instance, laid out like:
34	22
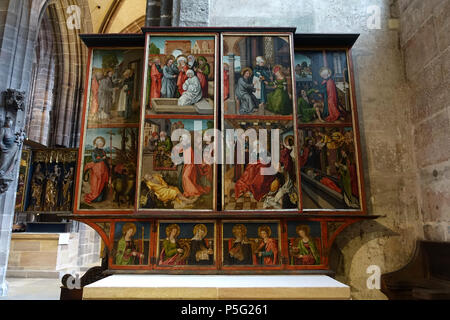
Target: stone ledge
185	287
32	274
38	236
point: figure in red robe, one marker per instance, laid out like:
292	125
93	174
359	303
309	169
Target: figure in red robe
99	173
267	250
183	68
156	74
328	89
226	81
192	173
252	180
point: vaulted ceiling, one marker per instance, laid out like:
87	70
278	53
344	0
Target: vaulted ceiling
117	16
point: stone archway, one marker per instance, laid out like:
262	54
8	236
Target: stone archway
60	49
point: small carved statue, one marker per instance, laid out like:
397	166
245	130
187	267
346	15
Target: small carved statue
67	189
37	182
51	192
10	144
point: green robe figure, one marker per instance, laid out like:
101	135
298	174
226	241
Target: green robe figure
127	253
304	251
309	252
345	180
278	101
171	254
306	112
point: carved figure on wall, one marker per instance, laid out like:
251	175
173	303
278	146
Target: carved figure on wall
10	144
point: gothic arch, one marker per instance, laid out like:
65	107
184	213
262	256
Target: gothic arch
124	16
136	26
69	59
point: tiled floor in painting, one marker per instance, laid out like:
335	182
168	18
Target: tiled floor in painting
32	289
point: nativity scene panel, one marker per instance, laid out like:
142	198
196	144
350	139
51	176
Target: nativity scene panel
186	243
185	183
115	87
260	174
329	168
108	170
257	77
323	87
251	244
181	74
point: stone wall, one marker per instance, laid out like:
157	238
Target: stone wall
425	44
43	86
19	24
52	255
397	187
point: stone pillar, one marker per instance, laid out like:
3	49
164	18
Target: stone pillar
153	15
166	12
231	102
19	23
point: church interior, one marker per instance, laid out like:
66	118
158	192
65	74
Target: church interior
364	183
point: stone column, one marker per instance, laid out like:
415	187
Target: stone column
231	102
19	23
166	12
153	15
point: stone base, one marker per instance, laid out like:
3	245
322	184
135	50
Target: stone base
48	255
204	287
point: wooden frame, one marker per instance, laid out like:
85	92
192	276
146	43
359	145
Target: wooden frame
243	117
178	36
326	224
354	124
99	125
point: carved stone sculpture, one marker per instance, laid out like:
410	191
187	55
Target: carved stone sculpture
10	144
10	141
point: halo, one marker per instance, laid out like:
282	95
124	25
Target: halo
286	139
127	226
325	68
169	57
266	229
200	226
182	57
279	67
245	70
239	226
101	138
303	227
170	227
